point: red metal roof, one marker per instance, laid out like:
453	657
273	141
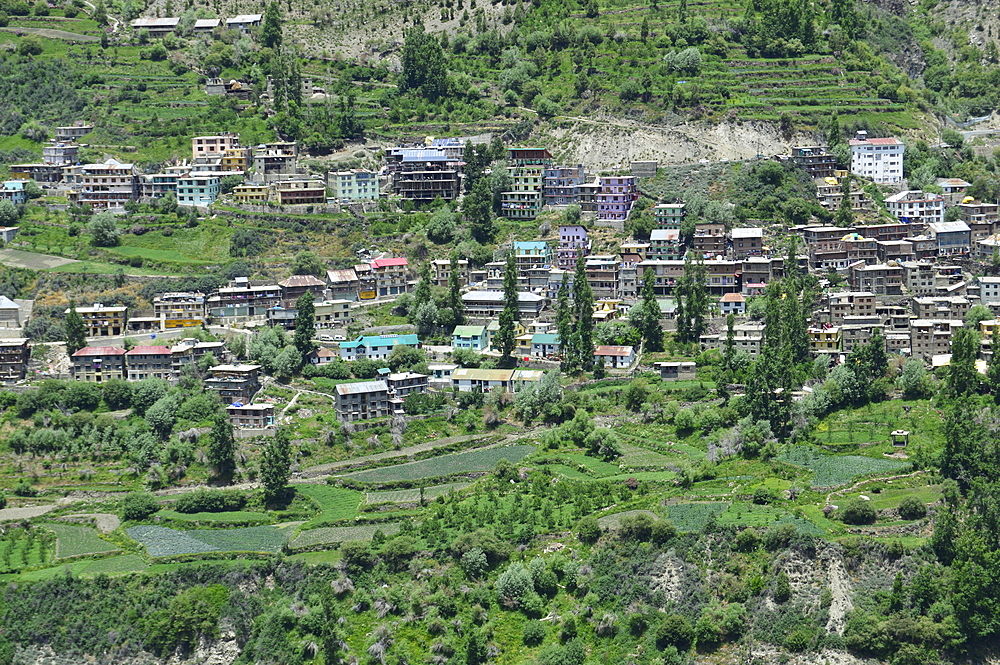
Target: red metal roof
149	351
613	351
886	141
99	351
381	263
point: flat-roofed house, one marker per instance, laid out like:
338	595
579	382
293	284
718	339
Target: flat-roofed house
234	383
14	356
676	371
251	416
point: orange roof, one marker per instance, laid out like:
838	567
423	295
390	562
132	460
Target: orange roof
613	351
733	297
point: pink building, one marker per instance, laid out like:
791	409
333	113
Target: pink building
572	242
618	193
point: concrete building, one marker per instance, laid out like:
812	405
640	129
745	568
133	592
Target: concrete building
12	315
524	198
296	286
402	384
824	339
243	22
61	153
941	307
234	383
676	371
14	356
180	309
343	284
615	357
747	241
617	195
102	321
930	338
470	337
198	189
603	276
951	237
391	275
573	241
149	362
251	193
423	175
504	380
850	303
300	192
243	299
916	207
814	160
251	416
665	244
101	186
923	278
878	159
203	146
544	345
376	347
488	304
732	303
97	364
332	314
353	185
532	254
73	132
362	401
561	185
709	240
275	158
880	279
441	271
669	215
13	191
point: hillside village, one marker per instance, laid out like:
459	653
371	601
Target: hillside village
464	333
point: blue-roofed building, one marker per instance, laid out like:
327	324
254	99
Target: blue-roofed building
377	347
545	344
470	337
13	191
532	254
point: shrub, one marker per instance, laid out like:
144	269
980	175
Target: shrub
588	530
912	508
474	563
137	506
514	586
3	500
24	488
859	511
636	527
30	45
663	530
675	631
763	496
782	588
534	633
210	501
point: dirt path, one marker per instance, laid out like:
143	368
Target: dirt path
12	514
106	522
840	590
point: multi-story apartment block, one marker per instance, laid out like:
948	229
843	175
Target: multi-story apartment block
333	314
97	364
441	271
929	278
234	383
878	159
60	153
854	335
100	186
602	276
202	146
850	303
532	254
362	401
951	237
275	158
13	191
37	172
894	250
76	131
916	207
354	185
669	215
814	160
242	299
747	337
709	239
423	175
885	232
179	310
665	244
14	355
747	241
251	416
524	199
573	242
402	384
859	248
149	362
488	304
941	307
156	185
251	193
561	185
235	160
198	189
617	195
376	347
930	338
989	289
529	156
102	321
880	279
300	192
824	339
391	275
982	219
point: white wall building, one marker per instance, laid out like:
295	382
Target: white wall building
355	185
880	160
916	207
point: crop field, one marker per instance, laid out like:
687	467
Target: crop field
890	498
335	503
567	471
874	422
634	456
233	517
741	514
249	539
834	470
332	535
161	541
692	517
413	495
25	548
446	465
612	521
115	565
78	540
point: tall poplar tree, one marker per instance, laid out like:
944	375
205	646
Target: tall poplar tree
646	318
583	306
221	451
305	325
506	339
455	292
564	324
76	332
276	465
270	29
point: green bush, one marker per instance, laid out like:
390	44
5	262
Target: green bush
675	631
24	488
137	506
210	501
912	508
588	530
859	511
533	633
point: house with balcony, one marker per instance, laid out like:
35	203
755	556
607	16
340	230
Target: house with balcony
101	186
573	241
747	241
13	191
470	337
353	185
824	339
344	284
880	279
402	384
329	314
850	303
98	364
180	309
732	303
251	193
376	347
296	286
14	356
423	175
669	215
709	240
251	416
615	357
198	189
234	383
951	237
603	275
149	362
916	207
878	159
73	132
300	192
665	244
102	321
204	146
529	156
391	275
814	160
362	401
278	158
489	304
616	198
61	153
545	344
932	337
524	198
561	185
441	272
532	254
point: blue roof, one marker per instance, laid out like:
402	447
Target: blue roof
424	155
545	338
13	184
531	244
386	340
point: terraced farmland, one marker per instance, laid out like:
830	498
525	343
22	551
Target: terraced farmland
413	495
446	465
160	541
336	503
835	470
333	535
78	540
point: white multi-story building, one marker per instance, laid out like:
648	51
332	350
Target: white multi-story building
880	160
916	207
198	189
354	185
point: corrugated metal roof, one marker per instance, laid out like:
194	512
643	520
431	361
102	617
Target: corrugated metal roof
361	387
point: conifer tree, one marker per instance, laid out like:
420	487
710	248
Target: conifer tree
221	451
506	339
455	291
305	325
646	318
270	29
564	324
583	305
76	332
993	368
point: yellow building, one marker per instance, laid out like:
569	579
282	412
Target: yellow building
824	340
250	193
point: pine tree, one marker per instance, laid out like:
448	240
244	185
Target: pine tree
647	317
845	214
276	465
455	292
963	379
221	451
691	294
100	14
76	332
506	339
833	134
729	346
583	305
305	325
564	324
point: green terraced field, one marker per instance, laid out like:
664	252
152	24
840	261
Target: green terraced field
834	470
160	541
234	517
333	535
413	495
692	517
446	465
612	521
74	540
335	503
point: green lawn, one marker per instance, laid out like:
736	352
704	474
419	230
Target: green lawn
233	517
